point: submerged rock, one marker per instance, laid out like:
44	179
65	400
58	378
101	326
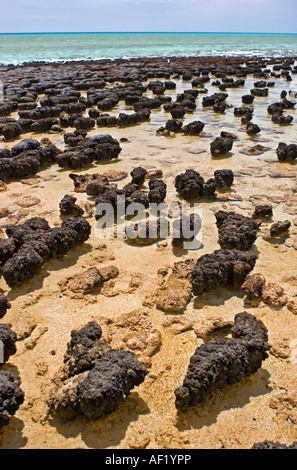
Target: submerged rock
220	146
286	153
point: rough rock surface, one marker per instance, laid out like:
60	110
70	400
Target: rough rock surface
112	374
221	268
236	231
48	243
221	362
11	396
8	339
4	305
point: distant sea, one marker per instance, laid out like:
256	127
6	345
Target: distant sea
52	47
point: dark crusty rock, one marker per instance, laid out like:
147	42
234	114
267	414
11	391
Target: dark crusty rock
248	99
220	146
109	383
286	153
81	181
191	185
193	128
84	349
221	268
69	208
253	286
138	176
98	379
27	162
280	228
22	266
95	148
7	248
223	178
263	211
4	305
157	190
252	129
236	231
24	145
274	445
173	125
8	339
221	361
36	243
11	396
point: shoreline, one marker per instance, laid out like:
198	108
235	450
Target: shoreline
232	59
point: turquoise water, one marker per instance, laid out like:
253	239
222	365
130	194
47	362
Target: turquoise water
24	47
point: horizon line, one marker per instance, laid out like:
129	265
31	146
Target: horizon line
145	32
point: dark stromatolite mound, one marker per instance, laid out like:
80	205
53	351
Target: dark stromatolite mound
7	248
138	176
96	379
7	341
252	129
273	445
36	243
173	125
282	120
247	99
223	178
263	211
220	146
221	268
11	396
4	305
96	148
24	145
253	286
81	181
221	361
286	153
193	128
109	383
236	231
84	349
280	228
69	208
157	191
191	185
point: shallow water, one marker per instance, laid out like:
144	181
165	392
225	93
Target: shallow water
18	48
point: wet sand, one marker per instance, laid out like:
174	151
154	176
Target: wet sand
260	407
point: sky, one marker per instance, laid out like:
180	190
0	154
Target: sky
275	16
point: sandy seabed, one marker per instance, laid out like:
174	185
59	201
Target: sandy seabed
260	407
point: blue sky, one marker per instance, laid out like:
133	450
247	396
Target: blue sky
278	16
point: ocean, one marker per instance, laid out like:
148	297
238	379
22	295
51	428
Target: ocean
52	47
